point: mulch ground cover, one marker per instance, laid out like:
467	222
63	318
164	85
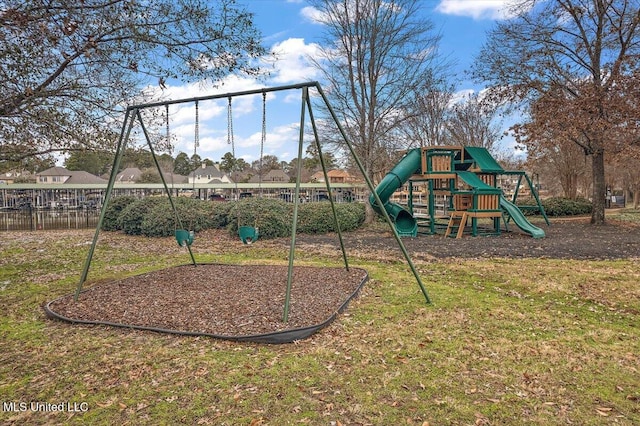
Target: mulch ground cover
246	302
225	301
573	238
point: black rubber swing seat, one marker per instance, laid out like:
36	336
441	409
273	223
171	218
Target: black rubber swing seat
184	237
248	234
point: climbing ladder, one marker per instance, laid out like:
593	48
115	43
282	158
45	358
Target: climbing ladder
457	221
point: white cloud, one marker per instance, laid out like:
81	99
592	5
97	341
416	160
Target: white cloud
461	96
293	64
313	15
476	9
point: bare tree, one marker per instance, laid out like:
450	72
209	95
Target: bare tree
378	52
472	122
575	59
427	126
68	68
563	166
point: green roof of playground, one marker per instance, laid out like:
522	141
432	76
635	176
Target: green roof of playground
484	160
477	184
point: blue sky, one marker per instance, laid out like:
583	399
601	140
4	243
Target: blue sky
289	29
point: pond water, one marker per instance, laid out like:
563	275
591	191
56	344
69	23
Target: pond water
45	219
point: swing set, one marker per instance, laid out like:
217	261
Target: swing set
247	234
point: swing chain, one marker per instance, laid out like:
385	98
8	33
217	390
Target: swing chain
230	128
166	107
196	137
264	136
230	140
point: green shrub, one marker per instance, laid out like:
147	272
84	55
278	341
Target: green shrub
221	213
272	217
559	206
565	207
160	220
112	213
317	218
132	216
529	206
154	217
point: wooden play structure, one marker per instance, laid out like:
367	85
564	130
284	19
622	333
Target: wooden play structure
454	184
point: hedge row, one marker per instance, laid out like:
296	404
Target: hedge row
154	217
558	206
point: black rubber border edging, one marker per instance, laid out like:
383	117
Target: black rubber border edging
277	337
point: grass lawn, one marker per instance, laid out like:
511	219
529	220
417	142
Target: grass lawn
506	342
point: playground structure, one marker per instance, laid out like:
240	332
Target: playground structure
459	184
135	115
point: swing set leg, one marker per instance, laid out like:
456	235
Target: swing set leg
193	260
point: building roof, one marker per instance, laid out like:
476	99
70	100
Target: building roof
82	177
275	176
271	176
73	176
130	174
55	171
317	177
334	175
338	173
212	171
170	177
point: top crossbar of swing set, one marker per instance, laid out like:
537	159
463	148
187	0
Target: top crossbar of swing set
259	91
306	106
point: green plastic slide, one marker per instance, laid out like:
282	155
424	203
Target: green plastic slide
406	225
520	219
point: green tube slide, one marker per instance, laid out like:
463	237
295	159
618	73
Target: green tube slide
406	225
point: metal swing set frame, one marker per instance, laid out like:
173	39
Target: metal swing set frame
184	237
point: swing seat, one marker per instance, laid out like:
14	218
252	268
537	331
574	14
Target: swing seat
184	237
248	234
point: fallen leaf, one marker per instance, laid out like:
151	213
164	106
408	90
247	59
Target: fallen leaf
107	403
604	411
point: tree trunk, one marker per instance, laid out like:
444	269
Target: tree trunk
599	187
626	193
369	214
